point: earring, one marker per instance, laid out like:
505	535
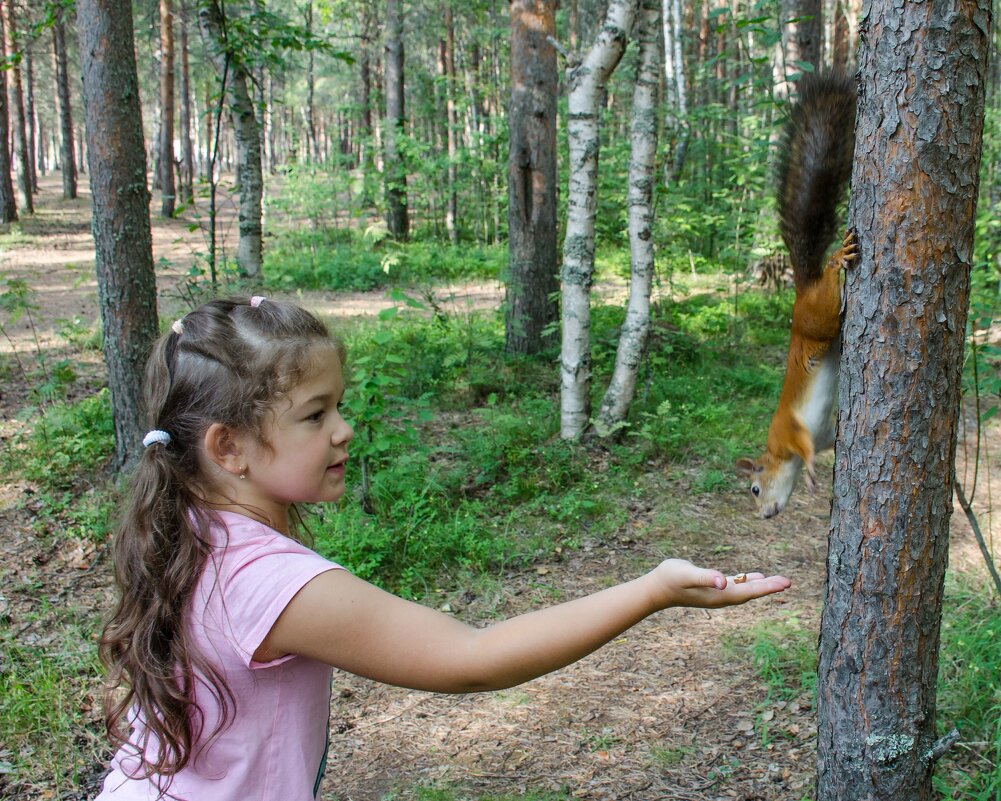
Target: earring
243	473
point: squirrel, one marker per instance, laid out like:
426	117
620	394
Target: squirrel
814	170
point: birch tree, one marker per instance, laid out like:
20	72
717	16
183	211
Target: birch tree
675	91
587	82
633	336
914	197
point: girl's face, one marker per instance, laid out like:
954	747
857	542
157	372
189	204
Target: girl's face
305	444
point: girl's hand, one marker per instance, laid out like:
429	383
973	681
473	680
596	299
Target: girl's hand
677	582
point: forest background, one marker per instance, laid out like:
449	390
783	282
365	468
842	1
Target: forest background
465	495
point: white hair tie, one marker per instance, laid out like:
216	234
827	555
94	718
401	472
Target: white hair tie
257	300
177	327
156	436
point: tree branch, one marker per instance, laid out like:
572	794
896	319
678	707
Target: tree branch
971	517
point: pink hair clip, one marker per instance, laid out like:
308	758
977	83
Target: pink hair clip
257	300
177	327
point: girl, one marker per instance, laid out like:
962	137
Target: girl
220	650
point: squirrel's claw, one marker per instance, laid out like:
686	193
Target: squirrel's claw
849	249
811	476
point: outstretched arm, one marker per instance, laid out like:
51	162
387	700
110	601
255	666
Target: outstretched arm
346	622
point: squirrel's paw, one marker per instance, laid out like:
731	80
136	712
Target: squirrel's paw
811	476
849	250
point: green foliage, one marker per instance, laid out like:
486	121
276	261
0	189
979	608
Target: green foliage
969	693
60	453
48	381
344	260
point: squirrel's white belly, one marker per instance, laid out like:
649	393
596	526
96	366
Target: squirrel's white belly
817	411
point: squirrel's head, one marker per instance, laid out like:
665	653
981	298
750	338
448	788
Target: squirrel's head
772	481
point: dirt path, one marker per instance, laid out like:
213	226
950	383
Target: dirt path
671	710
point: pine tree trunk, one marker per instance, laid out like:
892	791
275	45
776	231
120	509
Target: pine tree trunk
249	253
20	124
123	244
532	257
8	202
187	177
397	218
801	37
587	84
642	163
67	158
914	198
167	187
29	101
314	153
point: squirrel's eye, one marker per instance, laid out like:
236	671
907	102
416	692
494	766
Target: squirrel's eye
755	490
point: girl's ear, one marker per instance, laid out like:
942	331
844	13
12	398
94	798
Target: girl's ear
223	448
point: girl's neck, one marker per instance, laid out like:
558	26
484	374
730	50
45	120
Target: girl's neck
225	504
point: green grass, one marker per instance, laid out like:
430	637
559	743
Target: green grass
970	694
46	694
456	793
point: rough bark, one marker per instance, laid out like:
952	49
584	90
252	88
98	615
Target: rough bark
123	244
802	33
587	84
397	218
187	175
314	154
166	144
532	258
246	132
67	157
29	109
22	155
8	202
642	162
914	195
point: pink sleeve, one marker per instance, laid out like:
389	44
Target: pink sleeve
257	586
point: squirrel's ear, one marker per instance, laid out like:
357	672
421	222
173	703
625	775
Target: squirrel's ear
745	466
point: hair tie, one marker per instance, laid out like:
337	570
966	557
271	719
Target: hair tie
257	300
177	327
156	436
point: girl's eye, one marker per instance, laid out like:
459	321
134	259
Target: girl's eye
315	417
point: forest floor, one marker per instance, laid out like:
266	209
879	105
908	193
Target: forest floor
673	709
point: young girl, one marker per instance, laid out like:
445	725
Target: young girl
220	650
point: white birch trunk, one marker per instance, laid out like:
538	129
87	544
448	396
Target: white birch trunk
632	339
674	86
587	82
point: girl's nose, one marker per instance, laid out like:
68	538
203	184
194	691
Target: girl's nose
343	433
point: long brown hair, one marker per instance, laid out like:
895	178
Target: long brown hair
226	362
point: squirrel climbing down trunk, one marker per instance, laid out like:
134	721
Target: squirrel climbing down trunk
814	170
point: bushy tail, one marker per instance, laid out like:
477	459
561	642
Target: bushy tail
815	165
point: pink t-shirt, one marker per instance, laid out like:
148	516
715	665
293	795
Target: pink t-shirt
275	745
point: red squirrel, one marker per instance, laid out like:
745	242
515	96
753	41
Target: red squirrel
815	167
